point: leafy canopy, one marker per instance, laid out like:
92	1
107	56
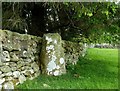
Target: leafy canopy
75	21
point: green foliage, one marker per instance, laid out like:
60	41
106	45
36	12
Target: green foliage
70	19
12	16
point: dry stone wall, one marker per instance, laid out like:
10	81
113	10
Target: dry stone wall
73	51
19	55
25	56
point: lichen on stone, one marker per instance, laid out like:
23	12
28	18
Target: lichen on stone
57	67
48	39
55	41
54	57
61	60
51	47
18	52
6	56
51	66
24	52
56	73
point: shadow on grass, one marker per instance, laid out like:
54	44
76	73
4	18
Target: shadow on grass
97	69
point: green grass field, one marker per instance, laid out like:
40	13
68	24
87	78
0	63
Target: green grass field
97	70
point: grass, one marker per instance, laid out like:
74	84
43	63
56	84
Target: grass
97	70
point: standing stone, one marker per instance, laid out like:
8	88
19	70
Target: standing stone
52	55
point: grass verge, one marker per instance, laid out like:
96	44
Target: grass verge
97	70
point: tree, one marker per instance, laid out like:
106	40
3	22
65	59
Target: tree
91	20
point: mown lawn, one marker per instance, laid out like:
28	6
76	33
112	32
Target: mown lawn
97	70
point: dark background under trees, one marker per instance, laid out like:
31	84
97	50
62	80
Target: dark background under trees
84	22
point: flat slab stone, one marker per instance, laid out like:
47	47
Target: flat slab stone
5	69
